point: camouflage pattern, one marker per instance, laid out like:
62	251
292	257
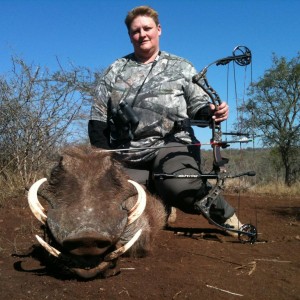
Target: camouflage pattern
160	93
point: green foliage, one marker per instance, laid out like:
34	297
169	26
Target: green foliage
273	112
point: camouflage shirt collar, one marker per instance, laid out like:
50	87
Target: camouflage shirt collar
131	57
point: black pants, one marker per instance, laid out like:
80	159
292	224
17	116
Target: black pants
180	192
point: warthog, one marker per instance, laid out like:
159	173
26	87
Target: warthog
96	213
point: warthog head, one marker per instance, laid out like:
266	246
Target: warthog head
95	214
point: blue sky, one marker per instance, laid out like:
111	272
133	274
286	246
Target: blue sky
92	33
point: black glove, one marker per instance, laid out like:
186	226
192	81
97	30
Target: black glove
97	134
202	117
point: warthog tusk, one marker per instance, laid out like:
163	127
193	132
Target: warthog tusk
50	249
115	254
140	205
34	204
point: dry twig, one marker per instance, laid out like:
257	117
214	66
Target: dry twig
228	292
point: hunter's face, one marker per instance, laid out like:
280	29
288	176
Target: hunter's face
144	35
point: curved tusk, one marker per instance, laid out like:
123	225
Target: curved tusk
140	205
103	265
34	204
45	245
115	254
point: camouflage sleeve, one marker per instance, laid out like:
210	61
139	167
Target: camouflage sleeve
103	91
195	97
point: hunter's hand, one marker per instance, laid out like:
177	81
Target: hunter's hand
221	114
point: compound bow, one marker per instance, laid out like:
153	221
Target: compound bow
247	232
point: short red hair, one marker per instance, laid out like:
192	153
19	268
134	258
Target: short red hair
141	11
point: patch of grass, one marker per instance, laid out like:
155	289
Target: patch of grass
11	187
242	185
276	188
237	185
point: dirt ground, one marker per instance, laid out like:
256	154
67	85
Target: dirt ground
191	260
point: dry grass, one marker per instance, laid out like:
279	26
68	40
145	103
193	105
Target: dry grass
237	185
277	188
271	188
10	187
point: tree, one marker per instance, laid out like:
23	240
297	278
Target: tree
273	112
37	108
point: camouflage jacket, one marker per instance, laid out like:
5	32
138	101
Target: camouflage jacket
161	94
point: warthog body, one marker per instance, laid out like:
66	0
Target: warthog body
93	216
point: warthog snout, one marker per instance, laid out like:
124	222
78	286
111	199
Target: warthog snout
87	243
